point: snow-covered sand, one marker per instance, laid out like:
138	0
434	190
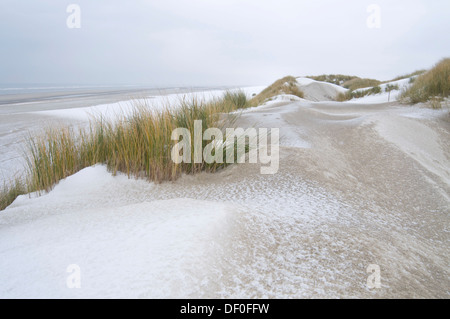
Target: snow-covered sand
358	184
157	102
16	123
319	91
384	96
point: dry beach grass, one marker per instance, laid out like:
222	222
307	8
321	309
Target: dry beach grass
138	145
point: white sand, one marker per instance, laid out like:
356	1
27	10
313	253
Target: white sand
358	184
319	91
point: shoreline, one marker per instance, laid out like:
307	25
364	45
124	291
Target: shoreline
44	101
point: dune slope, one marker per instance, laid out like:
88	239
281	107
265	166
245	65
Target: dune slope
358	185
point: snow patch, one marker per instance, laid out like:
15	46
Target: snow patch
319	91
156	249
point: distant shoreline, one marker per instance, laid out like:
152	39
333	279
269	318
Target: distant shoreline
52	98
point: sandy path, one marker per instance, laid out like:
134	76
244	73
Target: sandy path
356	186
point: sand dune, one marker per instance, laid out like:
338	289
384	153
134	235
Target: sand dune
319	91
357	185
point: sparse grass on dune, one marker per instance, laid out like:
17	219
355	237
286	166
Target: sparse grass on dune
286	85
53	156
433	85
355	82
391	87
410	75
338	79
10	191
234	100
350	82
373	86
359	83
427	86
139	145
341	97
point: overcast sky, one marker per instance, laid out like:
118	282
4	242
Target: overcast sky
223	42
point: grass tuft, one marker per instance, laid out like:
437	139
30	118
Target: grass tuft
139	145
433	85
338	79
341	97
410	75
359	83
286	85
9	192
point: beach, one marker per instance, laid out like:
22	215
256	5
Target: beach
359	184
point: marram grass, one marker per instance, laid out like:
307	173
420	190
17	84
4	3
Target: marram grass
341	97
431	86
286	85
138	145
10	191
